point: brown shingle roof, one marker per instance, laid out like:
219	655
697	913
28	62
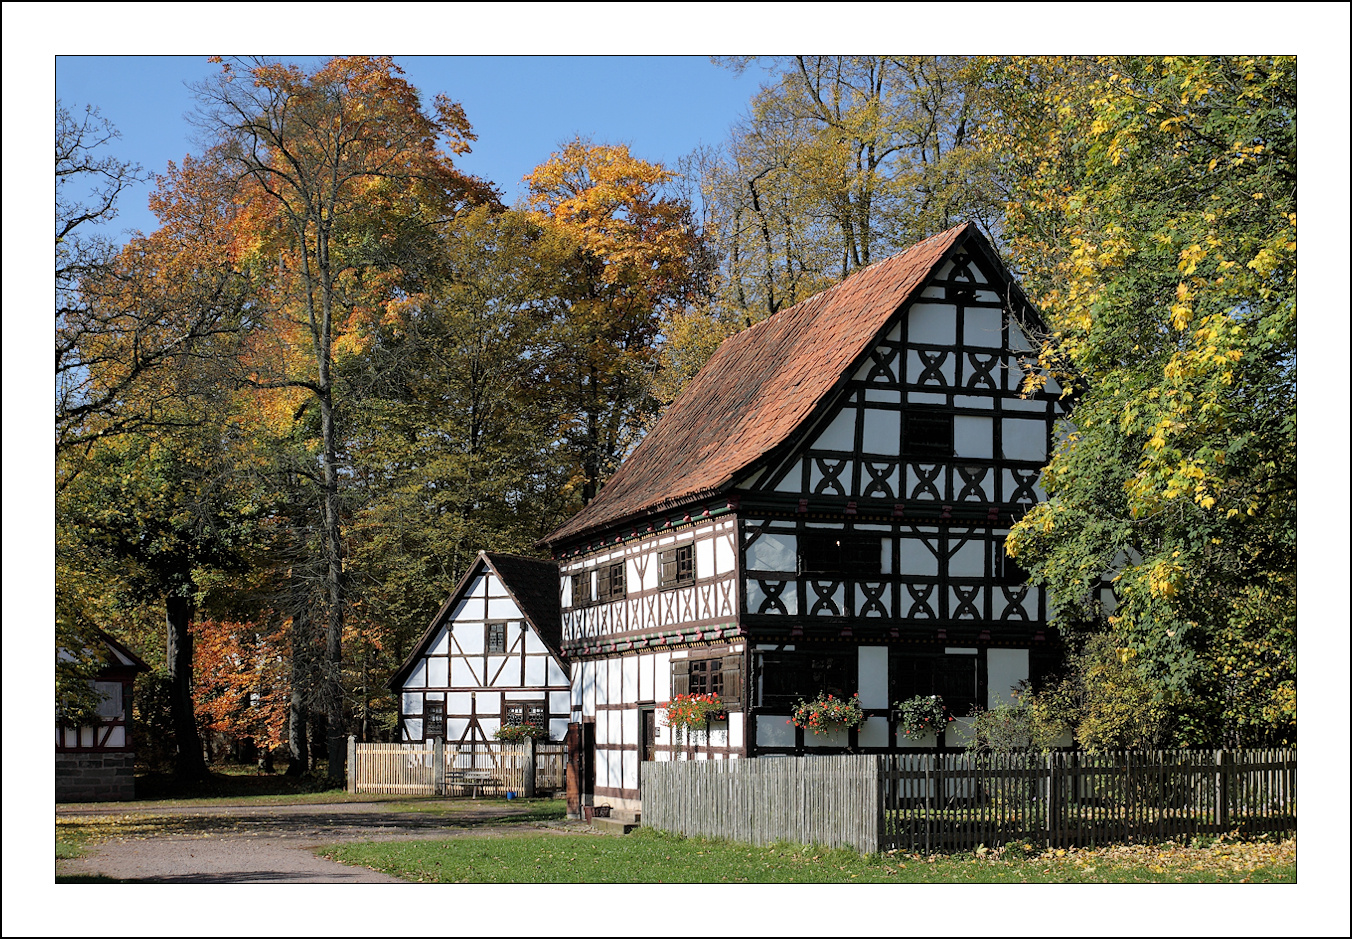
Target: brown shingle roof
758	387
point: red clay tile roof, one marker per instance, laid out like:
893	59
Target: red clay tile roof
757	389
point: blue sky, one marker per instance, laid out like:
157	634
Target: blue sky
521	107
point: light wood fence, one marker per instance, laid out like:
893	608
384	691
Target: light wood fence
957	801
482	768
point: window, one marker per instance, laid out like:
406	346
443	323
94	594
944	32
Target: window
840	553
720	675
524	713
1007	570
582	595
610	582
434	720
927	433
678	566
497	637
788	676
955	676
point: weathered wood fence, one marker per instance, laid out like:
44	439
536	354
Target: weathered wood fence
957	801
433	768
828	800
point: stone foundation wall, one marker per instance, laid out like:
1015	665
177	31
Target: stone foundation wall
95	777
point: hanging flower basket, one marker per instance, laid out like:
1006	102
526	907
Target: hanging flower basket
922	715
694	711
826	713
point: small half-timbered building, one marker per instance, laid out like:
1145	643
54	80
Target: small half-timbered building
96	762
490	656
823	508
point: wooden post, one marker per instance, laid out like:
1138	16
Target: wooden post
439	766
1222	794
351	763
528	771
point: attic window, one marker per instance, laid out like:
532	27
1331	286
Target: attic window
927	433
678	566
839	553
497	637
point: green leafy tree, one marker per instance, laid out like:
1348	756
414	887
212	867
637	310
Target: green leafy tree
1153	215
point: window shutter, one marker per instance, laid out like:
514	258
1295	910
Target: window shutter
732	680
680	677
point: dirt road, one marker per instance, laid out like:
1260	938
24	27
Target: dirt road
267	844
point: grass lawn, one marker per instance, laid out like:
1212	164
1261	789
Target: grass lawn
652	857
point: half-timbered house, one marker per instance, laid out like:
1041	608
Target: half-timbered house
822	509
96	762
490	656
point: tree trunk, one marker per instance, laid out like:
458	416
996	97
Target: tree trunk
188	763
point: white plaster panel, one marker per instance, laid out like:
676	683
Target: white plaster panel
557	676
437	673
882	431
915	368
839	434
1030	602
1053	387
725	558
479	588
488	702
534	643
418	677
981	327
588	688
630	762
469	637
645	678
662	676
466	671
458	702
969	560
793	479
117	737
934	293
1024	440
630	723
932	324
489	725
894	334
413	703
927	741
973	436
926	397
558	702
771	552
650	574
629	669
985	402
558	728
774	730
873	676
535	669
704	558
413	728
916	558
832	738
1018	341
442	644
736	729
887	556
1015	403
494	586
873	732
614	683
891	395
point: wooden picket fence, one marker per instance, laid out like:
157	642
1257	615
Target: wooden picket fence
934	801
482	768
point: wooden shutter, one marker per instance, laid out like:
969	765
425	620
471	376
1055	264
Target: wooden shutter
680	677
732	680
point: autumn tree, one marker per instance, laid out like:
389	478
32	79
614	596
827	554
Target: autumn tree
626	254
1153	213
341	181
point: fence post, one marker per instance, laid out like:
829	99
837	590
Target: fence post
1222	793
528	771
439	766
351	763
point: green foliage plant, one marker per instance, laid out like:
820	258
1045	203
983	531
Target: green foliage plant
515	733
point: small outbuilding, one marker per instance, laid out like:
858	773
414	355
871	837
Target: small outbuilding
96	762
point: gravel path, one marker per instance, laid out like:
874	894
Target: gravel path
267	844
